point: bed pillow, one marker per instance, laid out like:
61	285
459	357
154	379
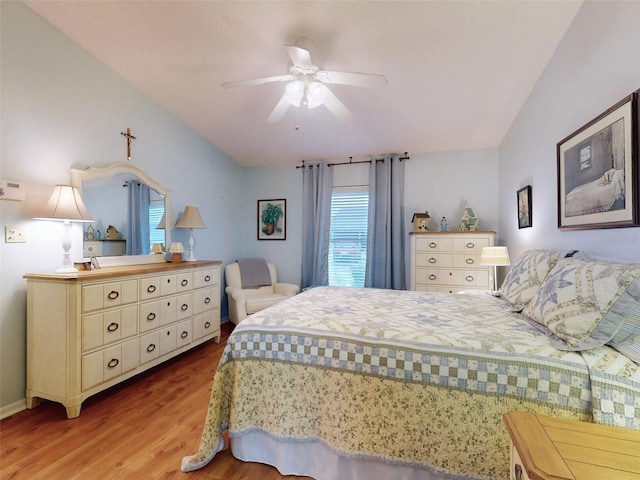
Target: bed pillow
526	276
585	303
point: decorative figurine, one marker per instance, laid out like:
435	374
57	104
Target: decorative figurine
469	222
421	221
443	224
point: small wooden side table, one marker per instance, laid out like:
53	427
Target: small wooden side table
548	448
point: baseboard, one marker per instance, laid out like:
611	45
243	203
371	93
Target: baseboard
13	408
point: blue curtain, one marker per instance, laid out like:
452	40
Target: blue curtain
386	235
317	185
138	220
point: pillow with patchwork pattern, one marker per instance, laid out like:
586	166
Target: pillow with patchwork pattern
584	302
526	276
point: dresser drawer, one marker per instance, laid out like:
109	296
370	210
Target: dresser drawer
441	244
104	328
470	245
205	299
97	297
149	347
92	249
150	287
206	324
185	305
205	277
434	259
109	363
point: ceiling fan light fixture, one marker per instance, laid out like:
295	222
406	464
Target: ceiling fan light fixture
294	93
316	94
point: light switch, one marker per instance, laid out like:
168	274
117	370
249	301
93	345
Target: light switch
14	235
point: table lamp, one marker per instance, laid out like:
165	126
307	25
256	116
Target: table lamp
190	219
176	251
496	257
66	205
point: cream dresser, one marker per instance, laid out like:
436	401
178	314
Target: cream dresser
449	261
87	331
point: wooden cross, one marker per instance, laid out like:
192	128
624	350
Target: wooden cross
129	138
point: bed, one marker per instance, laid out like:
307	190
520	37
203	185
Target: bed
596	196
365	383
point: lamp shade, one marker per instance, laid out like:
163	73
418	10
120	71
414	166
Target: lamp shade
497	256
157	248
176	247
190	218
162	224
65	203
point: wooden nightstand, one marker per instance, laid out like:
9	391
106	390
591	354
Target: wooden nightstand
548	448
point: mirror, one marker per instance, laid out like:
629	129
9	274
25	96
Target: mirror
106	192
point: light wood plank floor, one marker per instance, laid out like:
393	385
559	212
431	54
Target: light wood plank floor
138	430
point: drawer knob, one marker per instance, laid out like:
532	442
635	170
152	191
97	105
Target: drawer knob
168	280
151	288
432	260
185	282
207	301
432	277
469	278
184	334
433	245
112	295
113	326
207	324
113	363
471	245
470	261
184	307
151	347
151	317
207	278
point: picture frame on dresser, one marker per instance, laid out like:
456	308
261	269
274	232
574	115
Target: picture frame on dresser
598	172
525	217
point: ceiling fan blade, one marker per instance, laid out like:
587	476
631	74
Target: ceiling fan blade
279	110
299	56
352	78
258	81
336	107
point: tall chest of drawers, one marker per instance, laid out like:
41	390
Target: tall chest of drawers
88	331
449	261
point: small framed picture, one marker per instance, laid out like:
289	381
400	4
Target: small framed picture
272	219
524	207
598	172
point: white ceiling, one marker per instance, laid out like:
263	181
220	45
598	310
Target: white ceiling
457	71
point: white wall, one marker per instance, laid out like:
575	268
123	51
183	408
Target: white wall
62	109
596	65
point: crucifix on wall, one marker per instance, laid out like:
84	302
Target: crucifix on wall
129	138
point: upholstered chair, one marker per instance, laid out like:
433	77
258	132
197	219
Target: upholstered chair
246	301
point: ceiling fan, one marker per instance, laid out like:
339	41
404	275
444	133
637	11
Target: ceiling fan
308	85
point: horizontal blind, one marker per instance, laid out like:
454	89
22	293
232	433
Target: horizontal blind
156	235
348	237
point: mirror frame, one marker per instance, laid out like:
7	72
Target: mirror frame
78	177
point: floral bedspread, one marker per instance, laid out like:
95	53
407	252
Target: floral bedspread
407	377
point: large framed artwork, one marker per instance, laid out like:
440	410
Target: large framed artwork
525	215
272	219
598	172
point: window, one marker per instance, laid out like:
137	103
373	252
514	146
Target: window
156	210
348	236
585	157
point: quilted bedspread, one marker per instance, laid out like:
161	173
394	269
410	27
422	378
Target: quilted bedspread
404	377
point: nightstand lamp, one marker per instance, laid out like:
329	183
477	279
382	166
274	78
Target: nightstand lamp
496	257
66	205
157	248
190	219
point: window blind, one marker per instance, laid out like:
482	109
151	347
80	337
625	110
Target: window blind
348	236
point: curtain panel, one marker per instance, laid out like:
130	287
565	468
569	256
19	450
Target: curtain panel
138	219
386	233
317	186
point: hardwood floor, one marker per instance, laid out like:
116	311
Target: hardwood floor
139	430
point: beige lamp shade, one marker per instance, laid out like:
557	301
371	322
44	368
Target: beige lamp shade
157	248
498	256
162	224
190	218
65	203
176	247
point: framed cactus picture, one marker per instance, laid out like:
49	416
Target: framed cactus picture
272	219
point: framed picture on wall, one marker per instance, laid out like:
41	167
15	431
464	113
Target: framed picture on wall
524	207
272	219
598	170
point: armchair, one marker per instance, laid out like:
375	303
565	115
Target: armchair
244	302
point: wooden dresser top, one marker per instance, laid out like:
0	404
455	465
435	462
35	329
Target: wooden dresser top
559	449
108	272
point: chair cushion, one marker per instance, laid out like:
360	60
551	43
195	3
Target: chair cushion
255	303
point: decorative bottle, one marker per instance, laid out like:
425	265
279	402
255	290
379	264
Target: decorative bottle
443	224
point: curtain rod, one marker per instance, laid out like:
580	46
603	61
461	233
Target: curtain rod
351	162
